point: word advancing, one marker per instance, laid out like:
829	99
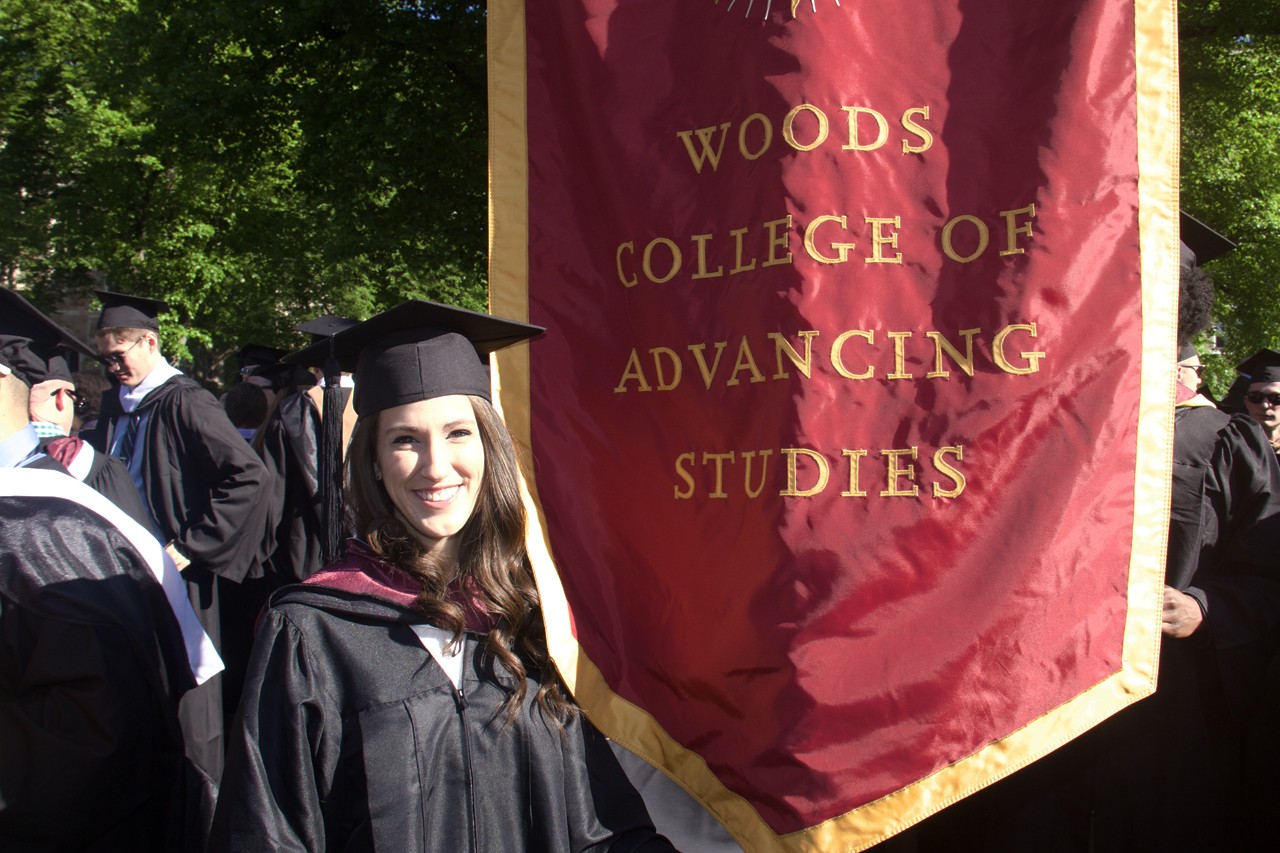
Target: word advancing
852	355
809	473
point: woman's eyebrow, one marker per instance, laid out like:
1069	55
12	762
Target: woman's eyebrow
408	427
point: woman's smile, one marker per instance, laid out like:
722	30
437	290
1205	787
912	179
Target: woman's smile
432	463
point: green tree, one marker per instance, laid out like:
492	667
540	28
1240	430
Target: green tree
63	144
1230	74
253	163
258	162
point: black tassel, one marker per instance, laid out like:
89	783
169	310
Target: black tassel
331	462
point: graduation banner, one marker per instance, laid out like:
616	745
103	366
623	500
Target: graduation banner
849	437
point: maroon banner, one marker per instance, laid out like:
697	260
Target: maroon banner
850	430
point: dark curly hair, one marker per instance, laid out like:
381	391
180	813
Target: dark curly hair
1195	303
492	565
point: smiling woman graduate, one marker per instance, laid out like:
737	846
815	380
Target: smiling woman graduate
402	698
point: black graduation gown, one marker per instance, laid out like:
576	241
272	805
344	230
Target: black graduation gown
106	475
290	450
351	737
203	484
1181	751
92	663
209	495
289	447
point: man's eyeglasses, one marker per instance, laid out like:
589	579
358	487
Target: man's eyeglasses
116	359
77	405
1258	398
1198	368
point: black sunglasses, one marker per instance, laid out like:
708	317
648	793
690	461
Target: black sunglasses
116	359
1258	398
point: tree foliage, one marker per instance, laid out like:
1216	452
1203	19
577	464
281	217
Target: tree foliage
255	163
1230	74
259	162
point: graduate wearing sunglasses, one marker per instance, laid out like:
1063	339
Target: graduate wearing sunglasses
1183	749
1262	398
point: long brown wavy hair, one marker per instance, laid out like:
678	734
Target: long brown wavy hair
493	565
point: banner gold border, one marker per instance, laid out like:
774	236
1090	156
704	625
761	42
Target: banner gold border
635	729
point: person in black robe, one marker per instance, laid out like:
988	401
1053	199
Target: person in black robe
105	474
403	699
45	350
93	659
204	488
290	444
1259	394
1182	751
92	666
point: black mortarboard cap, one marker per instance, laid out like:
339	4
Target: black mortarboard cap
1200	243
257	355
323	328
419	350
33	346
1262	366
283	376
122	311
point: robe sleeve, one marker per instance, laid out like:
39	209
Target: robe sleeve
282	752
1238	580
606	812
224	534
1238	584
273	453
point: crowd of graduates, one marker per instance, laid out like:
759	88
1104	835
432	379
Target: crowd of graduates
162	661
301	617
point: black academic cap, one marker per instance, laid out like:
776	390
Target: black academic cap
1200	243
323	328
418	350
1262	366
122	311
257	355
31	345
283	376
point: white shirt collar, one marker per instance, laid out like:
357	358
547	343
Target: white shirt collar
437	642
18	447
160	374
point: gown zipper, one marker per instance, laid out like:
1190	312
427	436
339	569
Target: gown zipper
460	701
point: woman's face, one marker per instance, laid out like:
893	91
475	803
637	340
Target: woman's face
1264	411
432	463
